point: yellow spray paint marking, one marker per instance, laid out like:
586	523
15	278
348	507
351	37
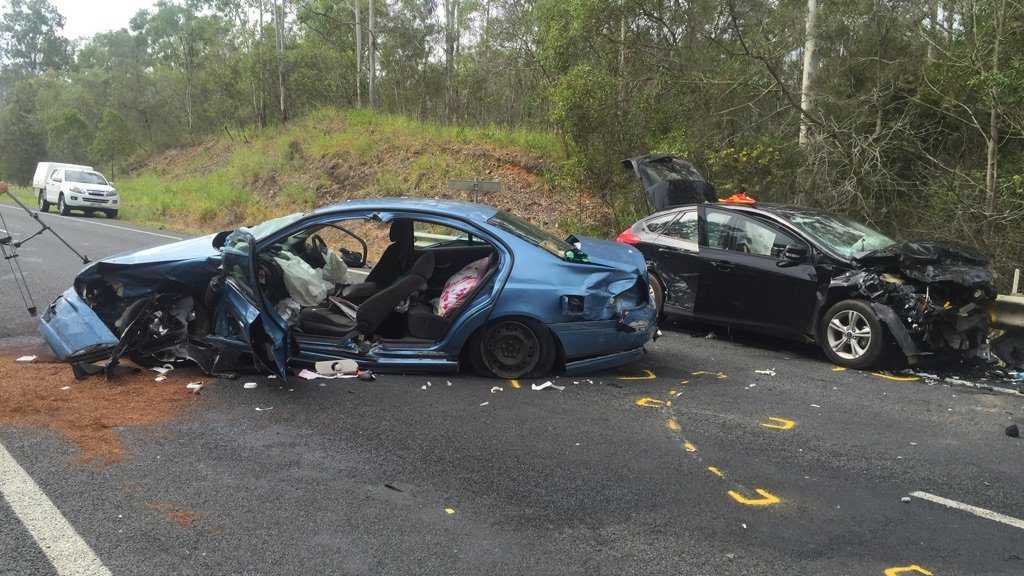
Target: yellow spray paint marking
896	378
684	381
766	499
449	510
719	375
698	373
647	375
689	447
722	376
897	570
647	402
778	423
672	425
514	384
838	369
716	471
672	393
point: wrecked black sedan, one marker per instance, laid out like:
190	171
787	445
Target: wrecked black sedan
454	284
801	273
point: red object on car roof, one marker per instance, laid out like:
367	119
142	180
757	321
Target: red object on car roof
740	198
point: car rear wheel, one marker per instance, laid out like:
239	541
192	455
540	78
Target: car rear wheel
62	207
851	335
659	294
44	206
513	348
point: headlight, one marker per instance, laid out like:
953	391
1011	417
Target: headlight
112	193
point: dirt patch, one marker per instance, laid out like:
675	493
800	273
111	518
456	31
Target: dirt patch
88	412
181	516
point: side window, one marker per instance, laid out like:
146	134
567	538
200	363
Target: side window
658	223
717	229
753	237
429	235
683	228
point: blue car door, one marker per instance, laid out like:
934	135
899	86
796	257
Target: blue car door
243	310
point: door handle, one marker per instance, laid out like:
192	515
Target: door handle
722	265
666	251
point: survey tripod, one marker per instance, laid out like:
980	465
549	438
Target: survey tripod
9	251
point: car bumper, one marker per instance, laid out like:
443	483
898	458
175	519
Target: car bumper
598	338
77	201
606	362
73	330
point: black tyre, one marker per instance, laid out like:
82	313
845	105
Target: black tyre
112	214
62	207
659	294
851	335
513	348
44	206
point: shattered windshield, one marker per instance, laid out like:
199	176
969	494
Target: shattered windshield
83	177
264	229
847	237
531	233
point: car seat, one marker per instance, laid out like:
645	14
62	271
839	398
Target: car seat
376	309
389	267
424	323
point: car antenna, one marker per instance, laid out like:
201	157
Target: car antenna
9	251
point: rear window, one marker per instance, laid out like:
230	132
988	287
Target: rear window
531	234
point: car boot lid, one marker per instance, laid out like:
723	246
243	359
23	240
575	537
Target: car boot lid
670	181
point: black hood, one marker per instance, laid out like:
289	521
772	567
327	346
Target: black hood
932	262
670	181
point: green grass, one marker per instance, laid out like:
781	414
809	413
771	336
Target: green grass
281	169
22	193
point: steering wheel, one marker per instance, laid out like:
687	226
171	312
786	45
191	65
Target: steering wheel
317	242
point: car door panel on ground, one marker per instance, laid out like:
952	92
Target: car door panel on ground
742	276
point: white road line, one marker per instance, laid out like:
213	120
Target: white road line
94	223
981	512
68	553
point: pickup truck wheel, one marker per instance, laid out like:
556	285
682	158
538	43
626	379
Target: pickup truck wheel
112	214
62	208
44	206
851	335
513	348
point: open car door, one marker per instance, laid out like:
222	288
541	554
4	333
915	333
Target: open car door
244	310
669	181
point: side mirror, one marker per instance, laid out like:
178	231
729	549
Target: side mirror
352	259
792	256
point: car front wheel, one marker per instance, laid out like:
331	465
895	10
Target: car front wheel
513	348
851	335
62	207
44	206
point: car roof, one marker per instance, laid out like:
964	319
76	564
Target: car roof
466	210
767	207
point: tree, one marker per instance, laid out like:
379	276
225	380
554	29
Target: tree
30	37
69	137
809	68
22	138
114	142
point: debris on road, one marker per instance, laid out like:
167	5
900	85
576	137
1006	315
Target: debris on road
710	336
905	499
65	388
484	403
160	378
1013	431
448	382
162	370
258	409
249	385
449	510
194	387
332	367
766	372
548	384
496	389
27	358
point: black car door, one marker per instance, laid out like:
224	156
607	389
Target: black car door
676	259
749	283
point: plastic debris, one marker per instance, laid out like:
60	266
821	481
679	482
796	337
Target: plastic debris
766	372
258	409
905	499
66	388
249	385
194	387
160	378
310	375
448	382
496	389
815	406
449	510
162	370
424	387
1013	431
332	367
710	336
484	403
548	384
366	375
28	358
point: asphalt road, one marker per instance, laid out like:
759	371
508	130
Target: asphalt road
351	477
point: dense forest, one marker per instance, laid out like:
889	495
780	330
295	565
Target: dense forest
906	113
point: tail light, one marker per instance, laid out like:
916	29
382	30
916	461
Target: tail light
628	237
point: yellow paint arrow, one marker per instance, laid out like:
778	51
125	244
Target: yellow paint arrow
896	378
647	375
897	570
778	423
648	402
689	447
766	499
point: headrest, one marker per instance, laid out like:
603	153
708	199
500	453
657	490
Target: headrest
401	231
424	266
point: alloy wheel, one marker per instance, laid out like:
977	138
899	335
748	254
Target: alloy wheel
849	334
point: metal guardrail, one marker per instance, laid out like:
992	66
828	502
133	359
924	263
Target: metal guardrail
1007	312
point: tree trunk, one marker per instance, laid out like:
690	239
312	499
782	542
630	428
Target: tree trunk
806	87
373	57
992	158
933	16
450	15
359	55
279	26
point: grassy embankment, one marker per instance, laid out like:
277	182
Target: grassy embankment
333	155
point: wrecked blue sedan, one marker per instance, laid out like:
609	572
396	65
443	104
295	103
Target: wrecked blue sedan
455	285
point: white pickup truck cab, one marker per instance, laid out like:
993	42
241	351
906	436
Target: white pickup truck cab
78	188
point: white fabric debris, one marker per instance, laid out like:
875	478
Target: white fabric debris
548	384
28	358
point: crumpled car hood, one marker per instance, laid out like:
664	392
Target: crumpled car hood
201	247
933	262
